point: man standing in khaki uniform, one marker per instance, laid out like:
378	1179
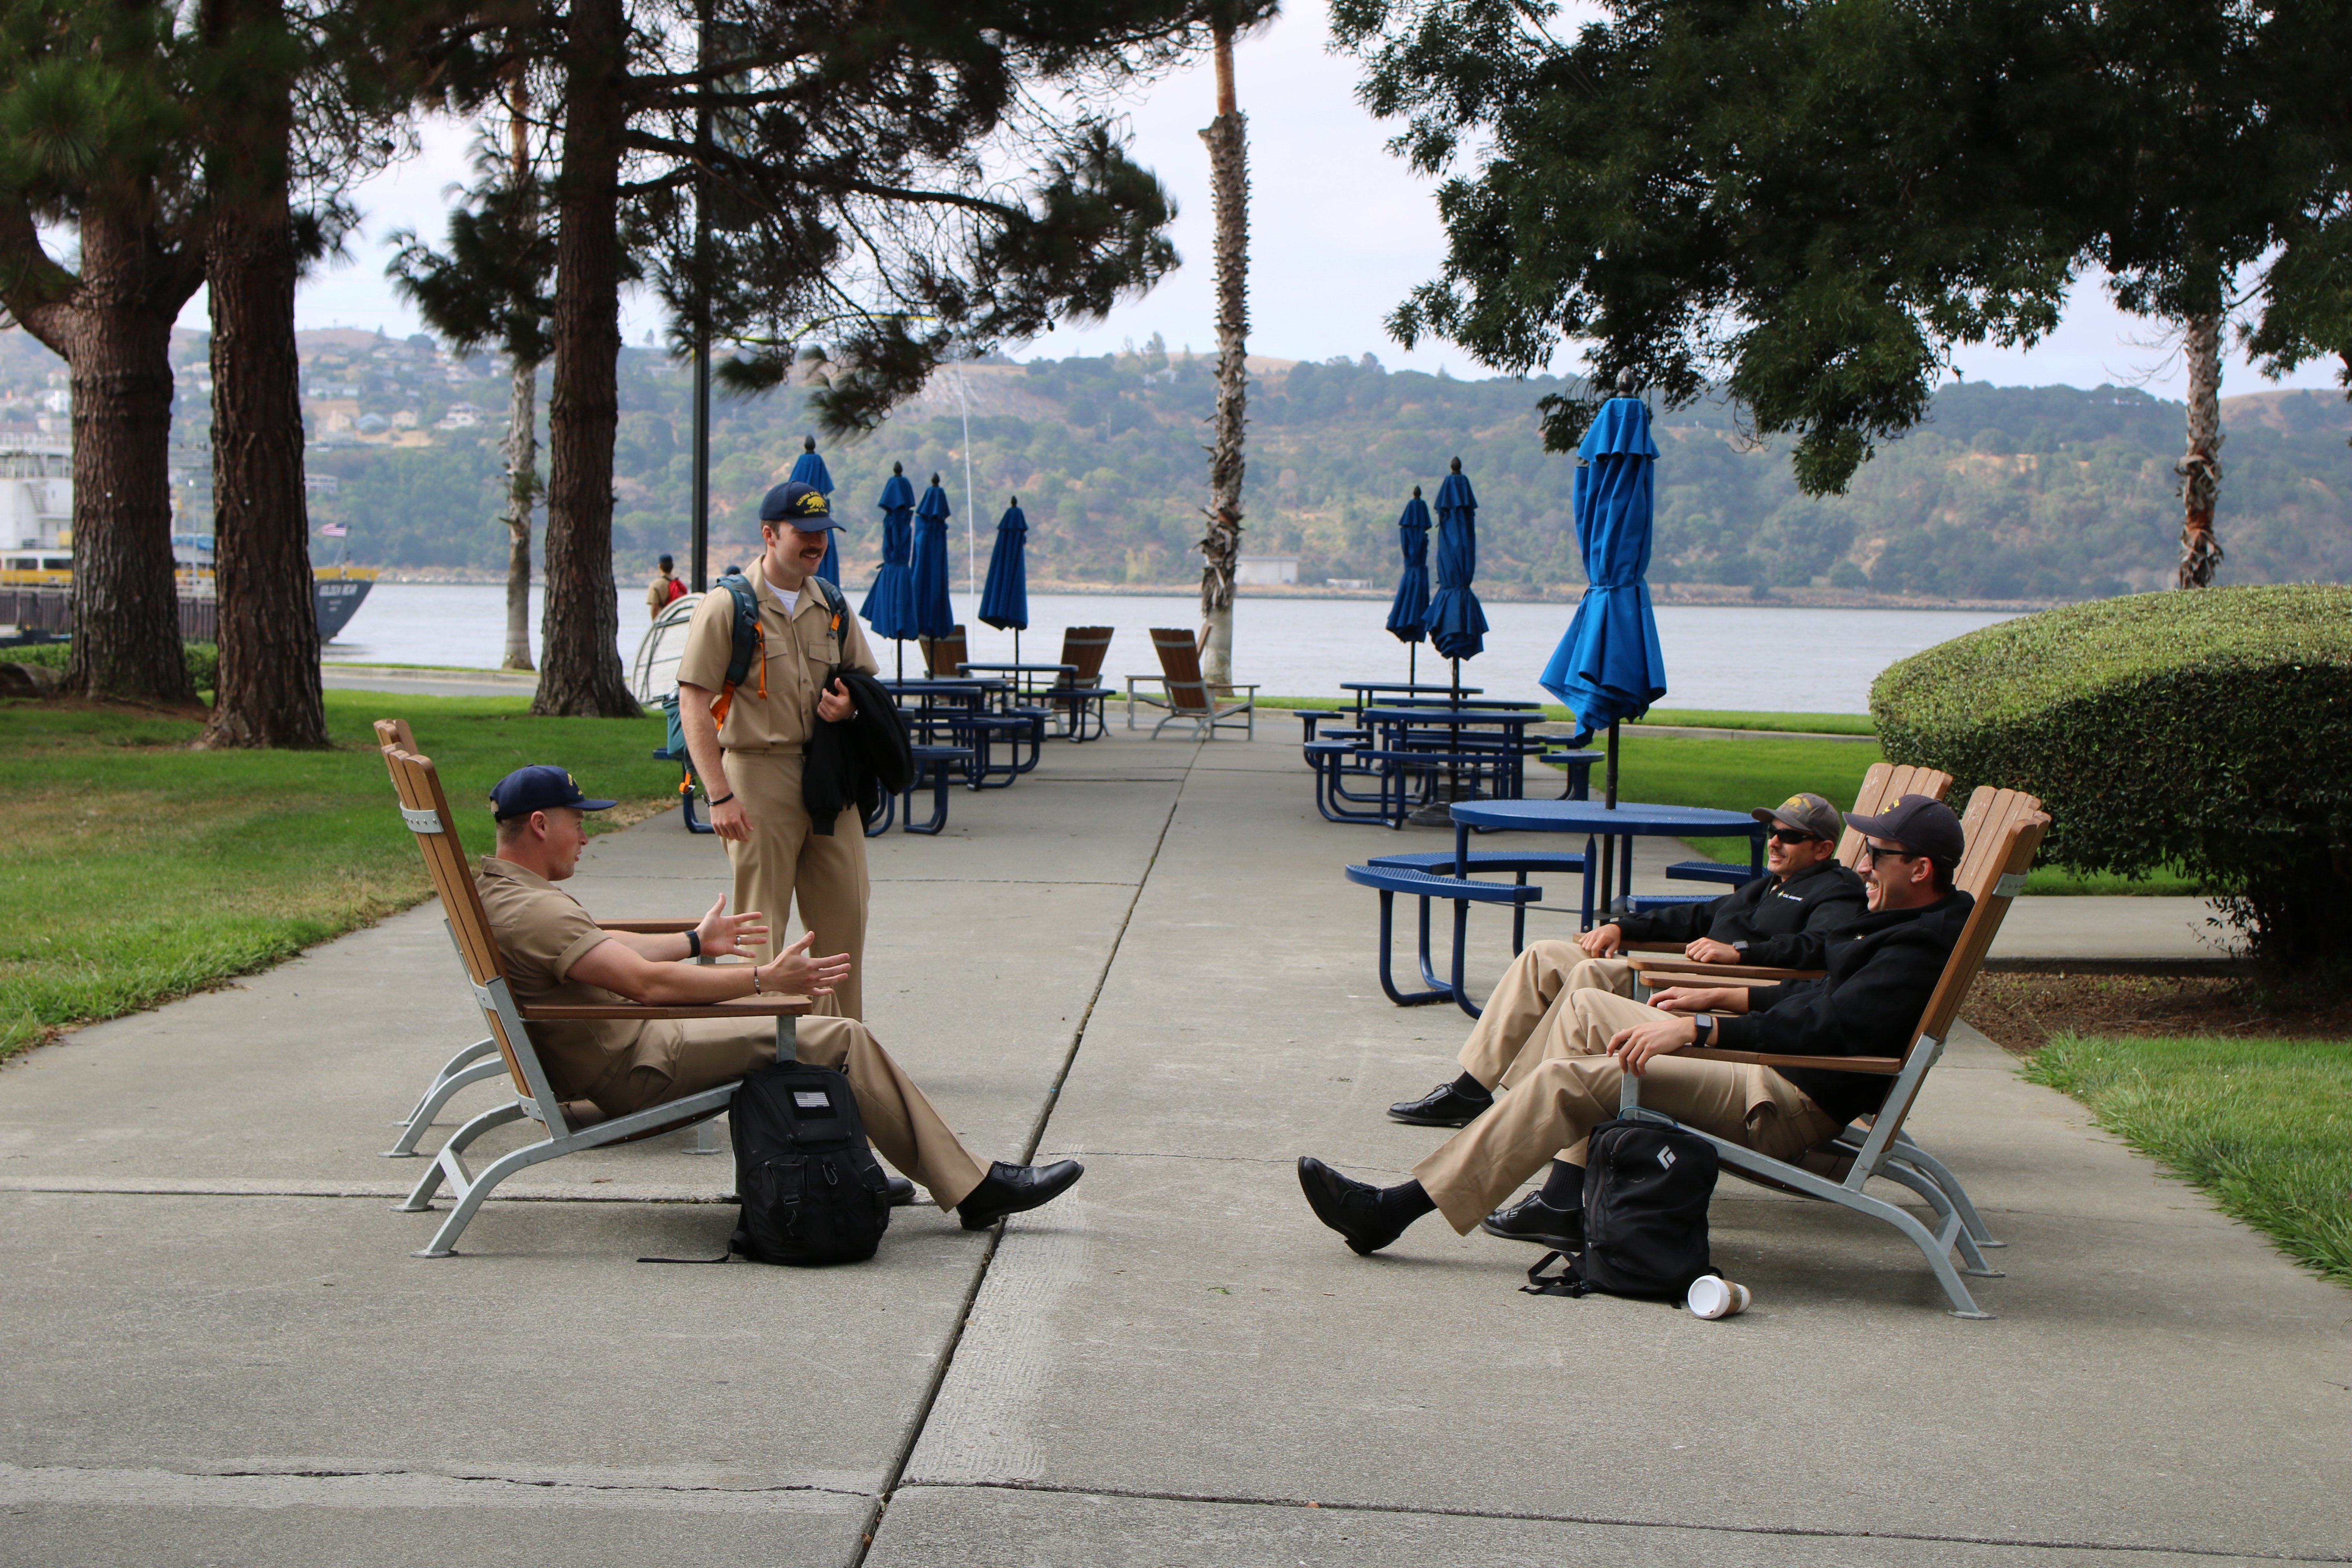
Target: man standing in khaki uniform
749	758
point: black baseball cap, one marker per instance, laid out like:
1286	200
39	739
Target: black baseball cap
1922	825
803	505
1806	812
542	787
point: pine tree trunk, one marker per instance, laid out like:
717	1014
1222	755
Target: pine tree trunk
116	340
2201	467
268	693
1221	544
580	663
523	431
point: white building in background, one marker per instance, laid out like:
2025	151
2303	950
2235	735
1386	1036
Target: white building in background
1265	571
36	506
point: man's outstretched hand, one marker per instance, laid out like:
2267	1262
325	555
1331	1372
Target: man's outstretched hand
794	971
1602	940
729	936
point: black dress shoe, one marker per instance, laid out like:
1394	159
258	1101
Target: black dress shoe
1349	1206
1532	1219
1009	1189
1443	1106
902	1191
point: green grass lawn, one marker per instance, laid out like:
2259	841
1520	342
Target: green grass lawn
138	871
2263	1126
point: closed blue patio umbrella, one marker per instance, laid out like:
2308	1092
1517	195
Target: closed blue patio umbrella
1004	597
934	616
889	606
1609	667
1410	606
810	469
1457	626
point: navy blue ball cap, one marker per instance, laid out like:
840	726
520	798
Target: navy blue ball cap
803	505
1922	825
542	787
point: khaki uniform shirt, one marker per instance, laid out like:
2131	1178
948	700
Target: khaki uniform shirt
657	597
541	931
800	653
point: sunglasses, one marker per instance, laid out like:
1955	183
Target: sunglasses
1872	852
1790	836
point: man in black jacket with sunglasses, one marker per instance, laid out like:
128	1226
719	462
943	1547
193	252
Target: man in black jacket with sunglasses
1781	919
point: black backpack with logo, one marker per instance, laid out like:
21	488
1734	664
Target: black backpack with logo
1646	1187
812	1191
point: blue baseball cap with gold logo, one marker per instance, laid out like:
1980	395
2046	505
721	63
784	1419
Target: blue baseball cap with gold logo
804	507
542	787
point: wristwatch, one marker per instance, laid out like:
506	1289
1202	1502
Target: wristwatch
1704	1027
1740	948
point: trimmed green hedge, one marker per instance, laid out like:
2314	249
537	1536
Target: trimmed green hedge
2210	729
204	660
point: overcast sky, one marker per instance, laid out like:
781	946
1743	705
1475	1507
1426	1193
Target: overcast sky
1339	232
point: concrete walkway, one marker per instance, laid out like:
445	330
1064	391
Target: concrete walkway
218	1350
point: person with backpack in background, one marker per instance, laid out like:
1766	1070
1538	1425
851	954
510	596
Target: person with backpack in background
764	654
665	590
556	954
1881	971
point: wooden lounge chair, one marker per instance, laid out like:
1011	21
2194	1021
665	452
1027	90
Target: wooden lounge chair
481	1062
944	658
1079	695
1189	697
1882	786
2009	830
426	810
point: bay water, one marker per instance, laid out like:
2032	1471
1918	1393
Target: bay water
1746	659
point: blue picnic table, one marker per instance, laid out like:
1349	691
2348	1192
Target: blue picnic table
1627	819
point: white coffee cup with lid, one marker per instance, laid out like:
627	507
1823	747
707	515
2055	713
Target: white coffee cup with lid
1713	1296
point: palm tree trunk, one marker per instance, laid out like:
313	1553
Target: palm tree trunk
2201	467
269	691
580	674
1227	138
522	437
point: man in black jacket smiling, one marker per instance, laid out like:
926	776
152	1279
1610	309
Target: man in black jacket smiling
1881	971
1781	919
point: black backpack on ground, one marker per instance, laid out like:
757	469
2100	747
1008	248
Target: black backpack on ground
812	1191
1646	1187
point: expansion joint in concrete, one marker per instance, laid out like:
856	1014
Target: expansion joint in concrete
1620	1522
946	1361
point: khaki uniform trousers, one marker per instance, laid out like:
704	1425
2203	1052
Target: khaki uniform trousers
784	858
1514	1022
1574	1089
900	1119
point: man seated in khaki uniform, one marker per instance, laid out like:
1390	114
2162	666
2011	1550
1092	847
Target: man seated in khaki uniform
1881	971
556	953
1781	919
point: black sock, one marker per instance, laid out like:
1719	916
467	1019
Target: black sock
1564	1188
1469	1088
1405	1203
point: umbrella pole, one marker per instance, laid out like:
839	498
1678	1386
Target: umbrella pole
1609	842
1411	664
901	643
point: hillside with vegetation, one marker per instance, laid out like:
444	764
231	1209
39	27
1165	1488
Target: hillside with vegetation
2009	493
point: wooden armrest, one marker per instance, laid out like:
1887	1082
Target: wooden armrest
1887	1066
1728	970
740	1007
1662	979
650	928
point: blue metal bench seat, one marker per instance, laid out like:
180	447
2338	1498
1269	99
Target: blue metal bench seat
1390	880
